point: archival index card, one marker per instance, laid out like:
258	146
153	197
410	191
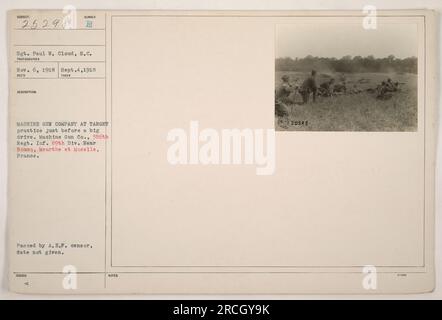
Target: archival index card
221	152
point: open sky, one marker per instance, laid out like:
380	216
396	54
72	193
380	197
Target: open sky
338	40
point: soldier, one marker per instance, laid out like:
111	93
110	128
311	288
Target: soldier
326	88
284	90
282	97
389	85
383	91
380	89
340	88
309	86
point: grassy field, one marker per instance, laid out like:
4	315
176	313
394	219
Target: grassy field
353	112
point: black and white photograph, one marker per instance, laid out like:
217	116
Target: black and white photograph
342	77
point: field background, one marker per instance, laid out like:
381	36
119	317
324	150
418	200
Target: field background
353	112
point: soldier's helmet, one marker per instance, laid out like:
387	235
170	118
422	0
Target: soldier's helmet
285	78
389	80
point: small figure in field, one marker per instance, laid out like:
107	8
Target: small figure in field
282	96
326	88
340	88
383	91
284	90
390	85
309	86
383	88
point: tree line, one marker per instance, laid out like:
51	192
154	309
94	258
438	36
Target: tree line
348	64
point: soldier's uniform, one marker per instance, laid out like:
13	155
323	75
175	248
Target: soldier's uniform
384	92
283	92
307	87
390	86
285	89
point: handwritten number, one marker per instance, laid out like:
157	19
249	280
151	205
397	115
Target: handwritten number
55	23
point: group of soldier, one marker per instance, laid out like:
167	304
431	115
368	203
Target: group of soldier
385	90
309	87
